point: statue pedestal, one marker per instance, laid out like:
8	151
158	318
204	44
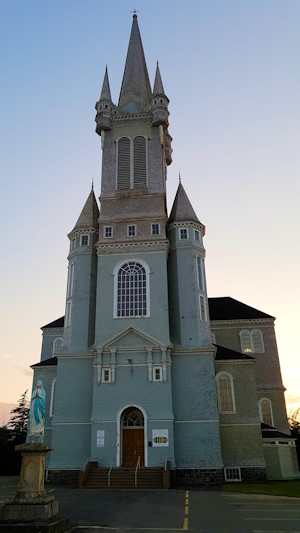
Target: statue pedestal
32	509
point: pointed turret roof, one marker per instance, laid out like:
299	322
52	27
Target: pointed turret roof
182	210
158	87
105	93
89	215
135	92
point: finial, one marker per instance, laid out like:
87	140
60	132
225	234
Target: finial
92	184
134	13
179	177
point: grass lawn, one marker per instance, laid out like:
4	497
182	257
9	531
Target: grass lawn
273	488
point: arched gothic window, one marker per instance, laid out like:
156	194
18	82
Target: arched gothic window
257	341
246	345
132	290
123	176
225	393
139	162
57	344
52	399
265	409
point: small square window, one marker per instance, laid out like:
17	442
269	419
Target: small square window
84	240
155	229
157	373
131	231
232	474
197	235
106	375
183	233
108	231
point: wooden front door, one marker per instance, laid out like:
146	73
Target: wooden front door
133	446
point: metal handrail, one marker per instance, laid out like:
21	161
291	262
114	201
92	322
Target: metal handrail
108	477
136	469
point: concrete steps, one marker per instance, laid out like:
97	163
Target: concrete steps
123	478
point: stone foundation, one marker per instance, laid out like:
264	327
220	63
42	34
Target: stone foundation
253	475
64	477
197	478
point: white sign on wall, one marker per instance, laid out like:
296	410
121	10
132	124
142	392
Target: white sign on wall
100	438
160	437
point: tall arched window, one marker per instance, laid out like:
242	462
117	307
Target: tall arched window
57	344
123	166
139	162
265	410
257	341
132	290
246	345
225	393
52	399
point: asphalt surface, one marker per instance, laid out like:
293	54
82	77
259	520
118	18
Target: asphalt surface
159	511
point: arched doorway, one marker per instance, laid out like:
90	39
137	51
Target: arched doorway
132	424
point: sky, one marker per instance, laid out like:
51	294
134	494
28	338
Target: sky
231	71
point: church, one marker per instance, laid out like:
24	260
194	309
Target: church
145	373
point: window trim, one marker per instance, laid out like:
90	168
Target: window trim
261	338
88	239
198	232
103	370
135	230
154	368
187	233
52	398
104	232
252	347
131	159
151	227
219	374
264	399
115	274
53	345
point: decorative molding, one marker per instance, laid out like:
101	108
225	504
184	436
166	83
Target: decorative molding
182	224
240	321
126	244
53	329
86	231
131	116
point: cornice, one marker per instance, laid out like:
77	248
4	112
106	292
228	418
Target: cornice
82	231
118	246
52	329
119	118
183	223
240	321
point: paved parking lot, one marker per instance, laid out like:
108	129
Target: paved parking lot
204	511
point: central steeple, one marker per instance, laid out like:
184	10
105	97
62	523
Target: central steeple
135	92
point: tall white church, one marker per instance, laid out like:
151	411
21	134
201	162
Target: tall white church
145	373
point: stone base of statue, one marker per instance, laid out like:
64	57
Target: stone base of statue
32	509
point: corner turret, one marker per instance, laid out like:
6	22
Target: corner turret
104	107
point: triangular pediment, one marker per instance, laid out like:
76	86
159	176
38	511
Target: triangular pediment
130	338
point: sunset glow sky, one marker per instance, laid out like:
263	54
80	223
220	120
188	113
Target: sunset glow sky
231	71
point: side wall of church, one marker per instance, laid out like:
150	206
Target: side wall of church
196	418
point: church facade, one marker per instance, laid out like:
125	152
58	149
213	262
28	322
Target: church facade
144	367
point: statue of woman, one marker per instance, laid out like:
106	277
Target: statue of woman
37	411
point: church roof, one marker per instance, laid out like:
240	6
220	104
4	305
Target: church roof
58	323
105	92
225	354
47	362
223	308
182	210
269	432
89	215
158	87
135	92
226	308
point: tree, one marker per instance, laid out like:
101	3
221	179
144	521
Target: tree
11	435
294	422
19	419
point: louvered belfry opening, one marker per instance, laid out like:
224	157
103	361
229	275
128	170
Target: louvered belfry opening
139	162
123	163
136	151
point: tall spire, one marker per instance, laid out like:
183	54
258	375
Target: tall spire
158	87
135	92
105	93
